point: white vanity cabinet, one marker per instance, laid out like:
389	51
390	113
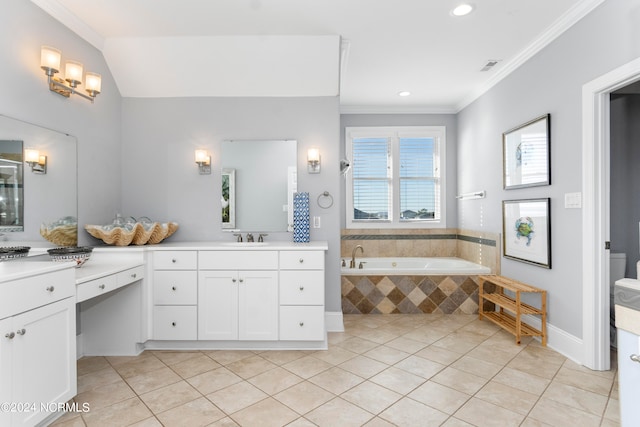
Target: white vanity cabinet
302	296
37	343
238	295
175	295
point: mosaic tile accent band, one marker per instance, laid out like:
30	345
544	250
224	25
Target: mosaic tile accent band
411	294
482	241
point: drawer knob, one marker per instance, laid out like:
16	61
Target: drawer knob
173	260
173	288
301	324
173	323
233	280
635	358
21	331
50	288
301	288
10	335
241	280
134	275
101	286
301	260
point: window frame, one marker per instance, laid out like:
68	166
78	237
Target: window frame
394	134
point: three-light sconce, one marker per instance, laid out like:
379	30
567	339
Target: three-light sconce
203	160
50	63
313	160
37	161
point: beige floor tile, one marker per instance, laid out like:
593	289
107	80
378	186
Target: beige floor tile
407	412
535	363
308	366
492	353
459	380
386	355
507	397
378	422
75	421
459	342
120	414
584	380
427	335
275	380
455	422
91	363
421	367
225	422
304	397
266	413
481	368
236	397
397	380
439	397
339	412
336	380
371	397
301	422
577	398
250	367
148	422
439	354
612	413
119	360
105	395
363	366
358	345
375	335
280	357
335	355
484	414
522	381
149	381
406	344
169	397
98	378
194	366
334	338
172	357
214	380
134	367
196	413
224	357
559	415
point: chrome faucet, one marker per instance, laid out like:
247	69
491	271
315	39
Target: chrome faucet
239	236
352	264
249	237
261	237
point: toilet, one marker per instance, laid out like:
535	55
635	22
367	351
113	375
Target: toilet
617	269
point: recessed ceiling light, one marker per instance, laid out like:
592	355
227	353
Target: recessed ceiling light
462	10
404	93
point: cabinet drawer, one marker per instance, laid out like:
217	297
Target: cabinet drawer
93	288
129	276
175	260
302	260
238	260
175	287
175	322
302	287
35	291
302	323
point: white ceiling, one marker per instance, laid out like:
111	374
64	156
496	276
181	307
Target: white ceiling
366	51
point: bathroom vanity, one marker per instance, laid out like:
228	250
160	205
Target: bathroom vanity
627	310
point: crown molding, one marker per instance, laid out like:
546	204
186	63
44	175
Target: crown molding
71	21
391	109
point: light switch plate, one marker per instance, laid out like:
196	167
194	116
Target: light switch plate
573	200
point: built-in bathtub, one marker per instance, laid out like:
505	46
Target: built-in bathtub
411	285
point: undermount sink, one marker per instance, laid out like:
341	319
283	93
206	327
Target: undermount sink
245	244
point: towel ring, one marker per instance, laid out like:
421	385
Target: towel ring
327	195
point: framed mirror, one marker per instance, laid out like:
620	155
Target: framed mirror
11	186
258	182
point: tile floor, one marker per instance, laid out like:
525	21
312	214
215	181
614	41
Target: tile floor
384	370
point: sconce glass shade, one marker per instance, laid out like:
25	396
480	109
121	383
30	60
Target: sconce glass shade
31	155
93	83
73	73
202	157
313	160
50	59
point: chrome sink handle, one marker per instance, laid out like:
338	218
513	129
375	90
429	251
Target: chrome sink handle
261	237
635	358
239	237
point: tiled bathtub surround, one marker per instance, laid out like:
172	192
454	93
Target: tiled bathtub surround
410	294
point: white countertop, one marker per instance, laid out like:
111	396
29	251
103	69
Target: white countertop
627	297
241	246
17	269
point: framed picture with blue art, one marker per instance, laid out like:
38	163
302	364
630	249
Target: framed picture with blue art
526	231
526	154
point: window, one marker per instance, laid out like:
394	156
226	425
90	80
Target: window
396	177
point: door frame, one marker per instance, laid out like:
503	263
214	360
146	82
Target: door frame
595	211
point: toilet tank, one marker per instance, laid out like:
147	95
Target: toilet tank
617	266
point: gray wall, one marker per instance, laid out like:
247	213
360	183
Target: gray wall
24	28
551	82
625	178
160	178
447	120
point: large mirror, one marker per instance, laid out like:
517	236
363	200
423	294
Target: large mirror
258	181
11	186
45	198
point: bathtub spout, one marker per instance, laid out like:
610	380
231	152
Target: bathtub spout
352	264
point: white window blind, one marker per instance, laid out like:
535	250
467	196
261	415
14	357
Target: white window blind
419	189
371	178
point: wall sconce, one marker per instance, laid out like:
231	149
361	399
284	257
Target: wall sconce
36	161
313	160
203	160
50	63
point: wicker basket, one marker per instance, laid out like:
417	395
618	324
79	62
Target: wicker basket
62	235
137	235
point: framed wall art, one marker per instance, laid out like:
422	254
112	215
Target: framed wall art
228	199
526	154
526	231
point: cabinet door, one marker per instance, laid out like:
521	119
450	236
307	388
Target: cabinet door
44	358
258	305
6	351
218	305
629	377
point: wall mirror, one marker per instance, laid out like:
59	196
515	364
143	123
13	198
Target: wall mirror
11	186
45	198
258	181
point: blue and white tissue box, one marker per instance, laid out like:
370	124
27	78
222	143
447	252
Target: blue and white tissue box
301	227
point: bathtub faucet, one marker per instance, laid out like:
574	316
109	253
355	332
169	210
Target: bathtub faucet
352	264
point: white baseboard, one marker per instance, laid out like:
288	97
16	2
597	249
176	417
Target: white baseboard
333	321
564	343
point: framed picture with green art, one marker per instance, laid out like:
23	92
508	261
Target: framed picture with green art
228	199
526	231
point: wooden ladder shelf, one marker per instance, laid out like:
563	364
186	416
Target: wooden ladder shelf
511	307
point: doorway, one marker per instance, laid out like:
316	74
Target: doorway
596	211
